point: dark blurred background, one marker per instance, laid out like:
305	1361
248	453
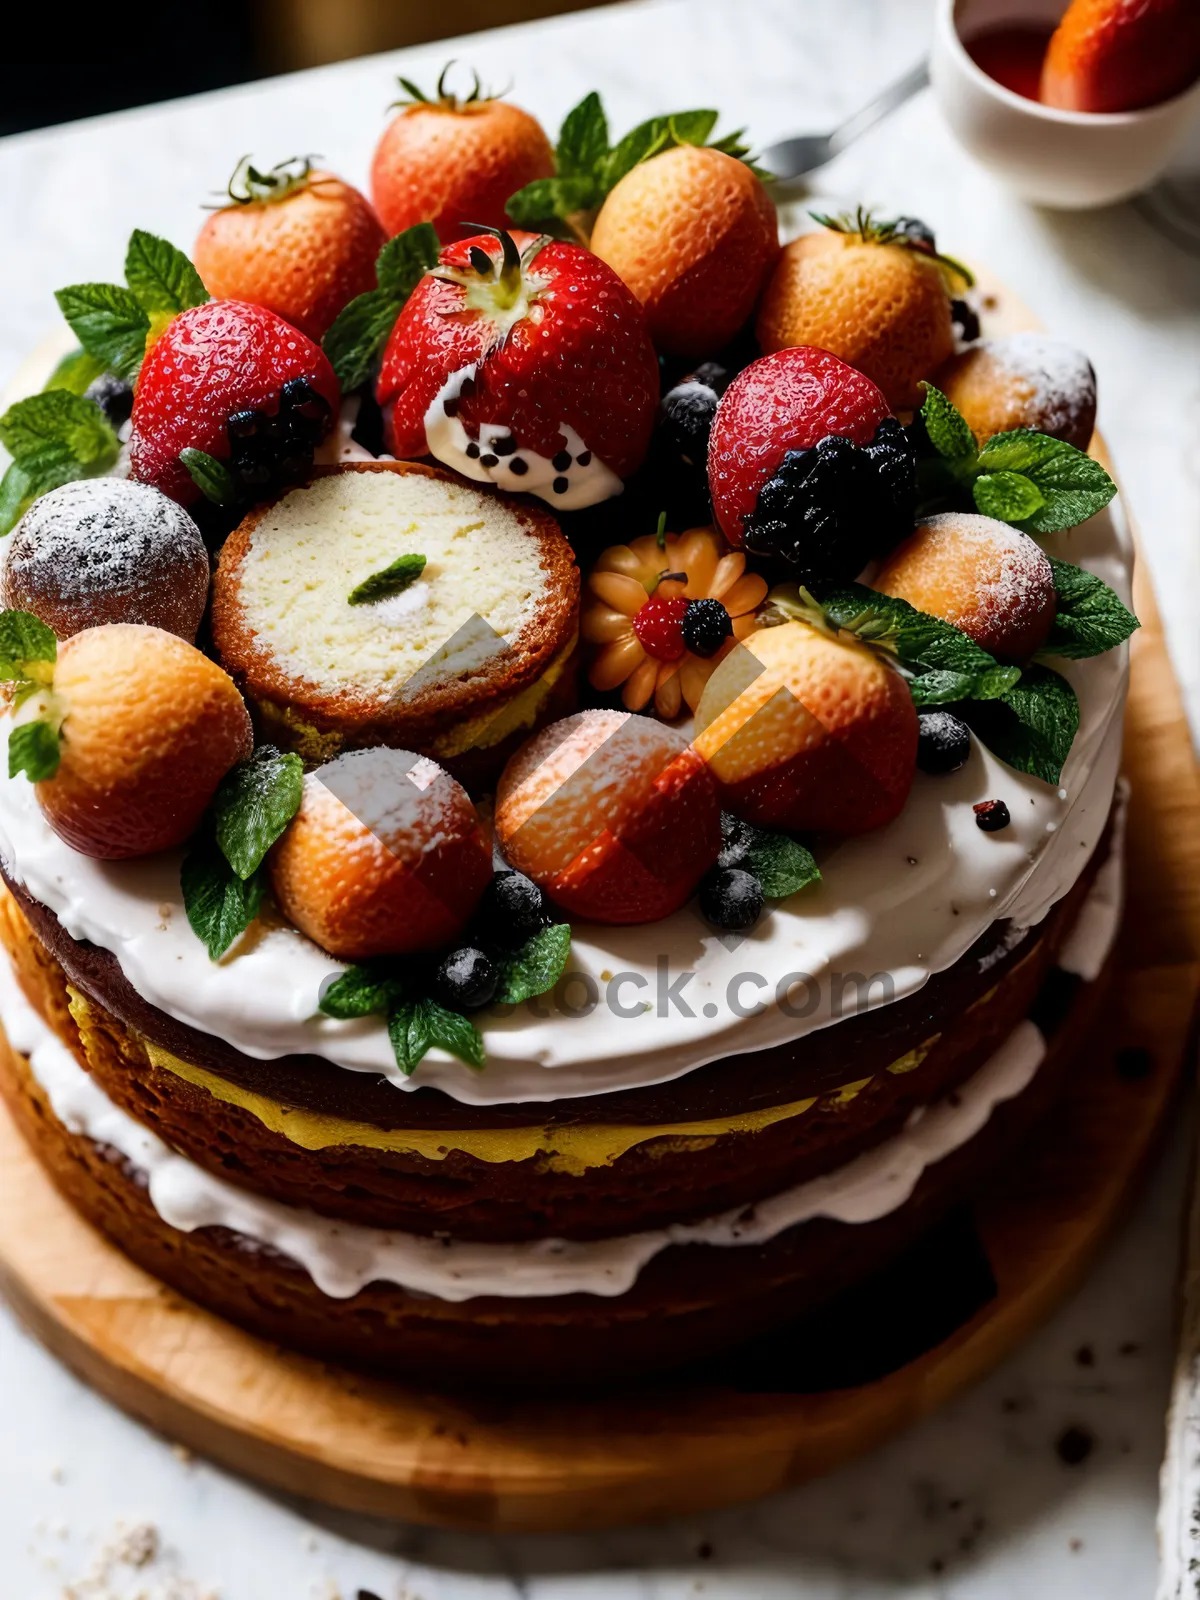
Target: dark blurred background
157	52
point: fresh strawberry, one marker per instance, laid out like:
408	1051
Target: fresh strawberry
525	363
807	469
450	160
240	384
296	240
659	627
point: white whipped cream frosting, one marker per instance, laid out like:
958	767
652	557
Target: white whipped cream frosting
342	1258
894	906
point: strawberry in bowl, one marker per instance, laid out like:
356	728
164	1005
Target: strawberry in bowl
523	362
231	403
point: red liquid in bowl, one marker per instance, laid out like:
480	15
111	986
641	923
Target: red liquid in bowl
1012	54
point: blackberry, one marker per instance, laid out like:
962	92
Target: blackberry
965	319
730	898
737	837
706	626
266	453
465	979
991	815
512	910
918	234
113	395
943	742
831	509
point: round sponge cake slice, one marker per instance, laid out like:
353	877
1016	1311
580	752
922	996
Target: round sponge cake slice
453	660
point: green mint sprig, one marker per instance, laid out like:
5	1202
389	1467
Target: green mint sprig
587	166
417	1023
28	652
1031	727
212	477
393	579
113	322
222	876
1036	483
362	328
53	438
1090	618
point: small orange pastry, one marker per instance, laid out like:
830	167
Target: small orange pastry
150	726
694	234
386	856
663	615
1121	55
1023	380
452	160
984	577
614	816
869	293
296	240
807	732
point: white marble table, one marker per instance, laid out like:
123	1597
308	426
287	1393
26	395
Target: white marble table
975	1504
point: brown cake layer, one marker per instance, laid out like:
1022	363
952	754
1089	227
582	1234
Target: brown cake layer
484	1175
689	1304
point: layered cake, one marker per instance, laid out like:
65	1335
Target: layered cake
558	828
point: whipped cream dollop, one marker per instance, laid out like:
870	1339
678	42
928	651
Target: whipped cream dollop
568	481
342	1258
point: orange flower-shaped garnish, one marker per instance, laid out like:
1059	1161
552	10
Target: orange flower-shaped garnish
696	565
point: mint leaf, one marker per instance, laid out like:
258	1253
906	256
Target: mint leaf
405	570
535	967
408	1034
780	863
220	906
161	277
691	127
33	748
1073	486
1090	618
582	139
648	139
547	199
16	496
254	804
212	477
919	642
28	647
359	992
109	323
946	426
452	1032
405	260
362	328
74	372
1033	726
1009	496
941	688
55	437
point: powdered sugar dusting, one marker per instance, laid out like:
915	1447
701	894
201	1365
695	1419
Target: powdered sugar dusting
1058	378
1015	587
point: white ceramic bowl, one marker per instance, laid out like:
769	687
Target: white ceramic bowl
1067	159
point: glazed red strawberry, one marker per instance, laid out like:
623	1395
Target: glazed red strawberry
659	627
808	468
239	383
526	364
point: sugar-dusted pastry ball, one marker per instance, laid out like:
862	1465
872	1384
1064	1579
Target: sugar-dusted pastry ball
986	578
107	550
614	815
386	856
1023	381
151	727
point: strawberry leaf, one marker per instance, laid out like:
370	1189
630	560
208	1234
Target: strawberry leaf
160	276
109	323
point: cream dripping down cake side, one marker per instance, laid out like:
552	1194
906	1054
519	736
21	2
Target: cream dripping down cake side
562	757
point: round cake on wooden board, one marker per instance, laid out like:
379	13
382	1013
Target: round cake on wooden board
439	1024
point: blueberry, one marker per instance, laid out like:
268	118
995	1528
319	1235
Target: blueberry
465	979
943	742
730	898
685	418
706	626
991	815
917	233
513	908
113	396
244	424
737	838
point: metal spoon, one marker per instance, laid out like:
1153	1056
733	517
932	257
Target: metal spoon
792	158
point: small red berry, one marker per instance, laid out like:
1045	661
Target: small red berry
659	627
